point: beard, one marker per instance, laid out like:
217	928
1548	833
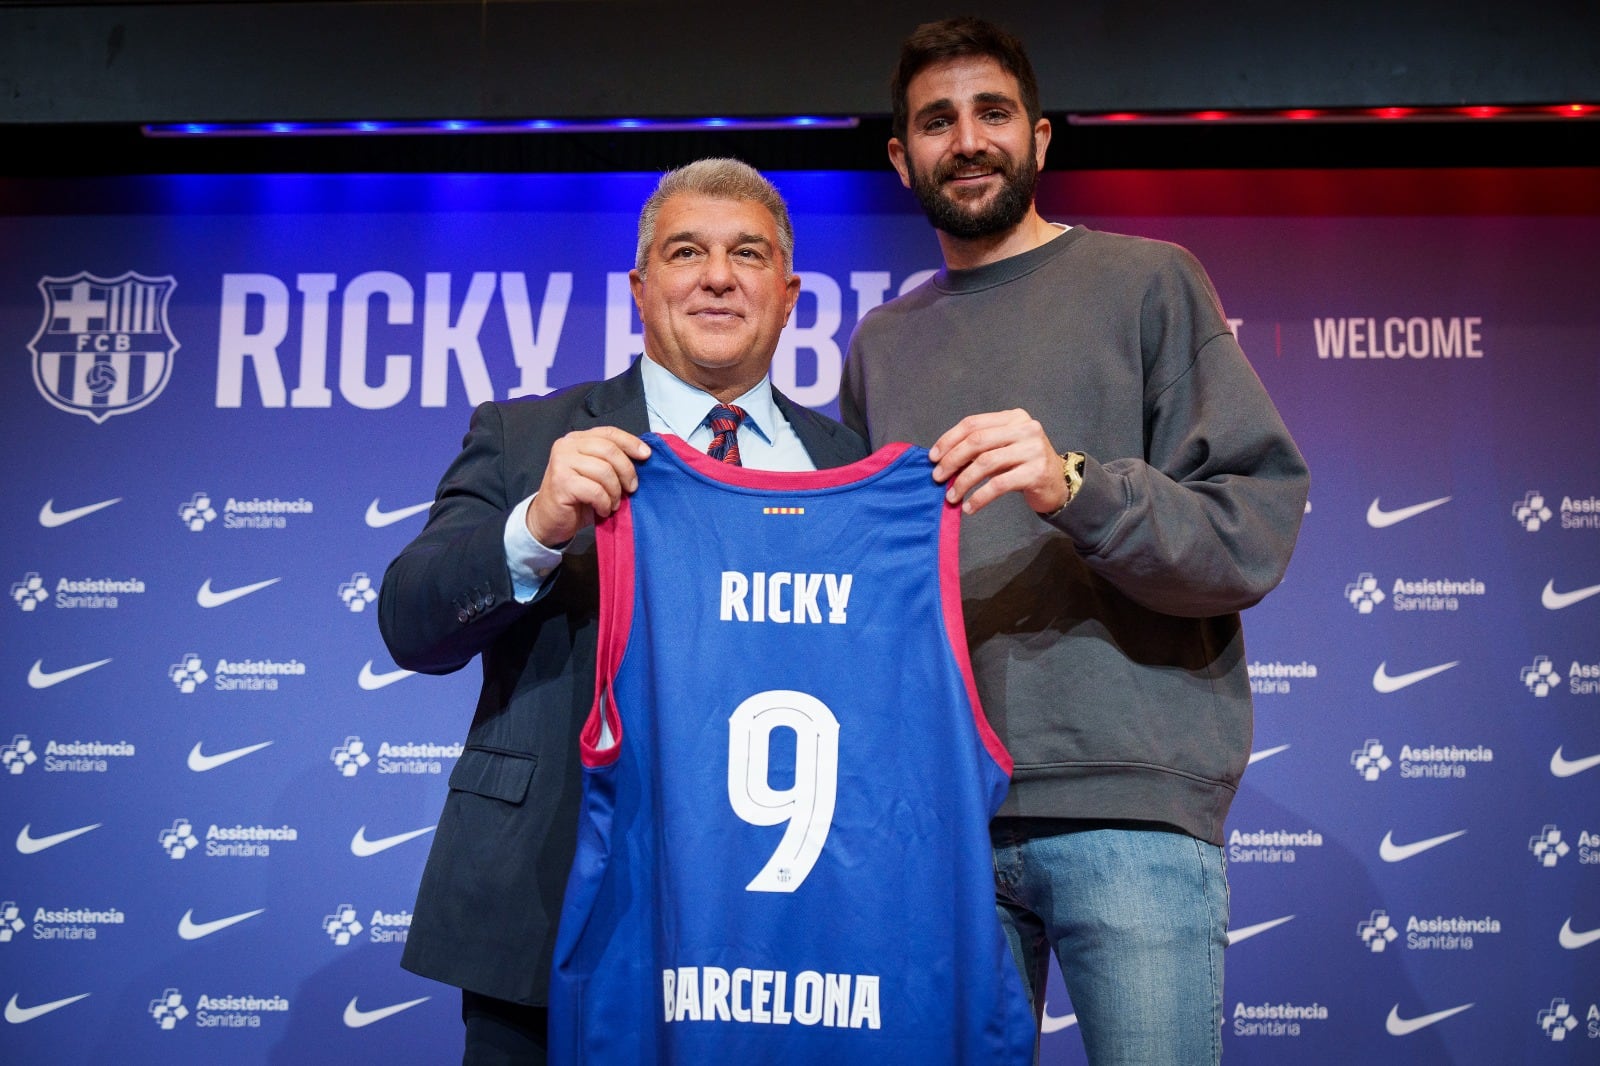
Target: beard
1003	211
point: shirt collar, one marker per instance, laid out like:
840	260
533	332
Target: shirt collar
682	407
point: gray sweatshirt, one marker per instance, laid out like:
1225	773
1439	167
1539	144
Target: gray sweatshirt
1106	640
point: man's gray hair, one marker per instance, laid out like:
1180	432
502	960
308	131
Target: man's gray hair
723	179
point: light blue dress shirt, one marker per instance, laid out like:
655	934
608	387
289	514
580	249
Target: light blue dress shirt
766	442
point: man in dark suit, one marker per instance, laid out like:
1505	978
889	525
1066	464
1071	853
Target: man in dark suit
505	570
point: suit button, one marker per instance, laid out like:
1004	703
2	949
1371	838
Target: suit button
463	615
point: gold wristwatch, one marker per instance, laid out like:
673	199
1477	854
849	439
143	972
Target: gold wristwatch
1072	470
1072	474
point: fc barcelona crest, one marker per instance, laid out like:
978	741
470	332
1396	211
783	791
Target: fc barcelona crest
104	347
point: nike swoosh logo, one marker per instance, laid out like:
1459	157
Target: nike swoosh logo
1554	600
1378	518
1563	767
361	847
356	1018
50	518
1236	935
1384	683
1399	1026
1266	753
377	517
39	677
201	763
1571	939
16	1015
32	845
1389	851
1053	1024
372	682
206	598
190	929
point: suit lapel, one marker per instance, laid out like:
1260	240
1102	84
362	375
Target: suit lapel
616	401
821	437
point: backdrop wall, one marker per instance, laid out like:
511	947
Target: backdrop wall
226	404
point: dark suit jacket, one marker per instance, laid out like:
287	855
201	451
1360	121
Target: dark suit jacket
491	893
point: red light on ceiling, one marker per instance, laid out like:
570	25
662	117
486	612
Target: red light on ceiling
1342	114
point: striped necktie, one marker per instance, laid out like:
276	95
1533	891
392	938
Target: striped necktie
724	420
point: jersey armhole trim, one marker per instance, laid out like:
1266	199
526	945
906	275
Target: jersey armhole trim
956	630
600	740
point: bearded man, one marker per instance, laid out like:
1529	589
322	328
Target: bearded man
1130	489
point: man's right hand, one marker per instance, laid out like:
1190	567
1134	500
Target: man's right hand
986	455
589	472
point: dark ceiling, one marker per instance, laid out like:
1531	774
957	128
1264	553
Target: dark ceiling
78	79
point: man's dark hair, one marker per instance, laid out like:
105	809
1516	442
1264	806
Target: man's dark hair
934	42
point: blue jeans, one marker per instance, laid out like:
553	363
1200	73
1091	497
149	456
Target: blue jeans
1138	919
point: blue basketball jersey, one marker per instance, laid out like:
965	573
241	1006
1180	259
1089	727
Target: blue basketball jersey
784	853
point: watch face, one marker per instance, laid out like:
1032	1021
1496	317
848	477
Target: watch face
1072	471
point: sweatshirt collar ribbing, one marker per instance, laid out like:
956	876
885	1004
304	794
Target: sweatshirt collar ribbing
1010	268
